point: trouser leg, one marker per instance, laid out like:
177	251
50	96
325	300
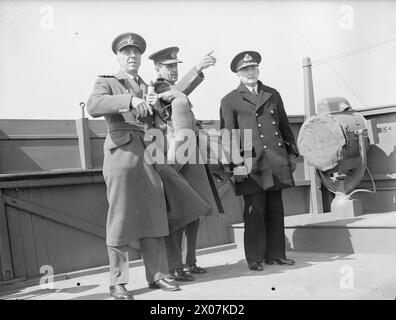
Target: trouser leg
255	231
153	252
274	221
173	244
119	264
191	231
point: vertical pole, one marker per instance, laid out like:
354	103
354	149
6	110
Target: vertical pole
6	268
84	142
316	202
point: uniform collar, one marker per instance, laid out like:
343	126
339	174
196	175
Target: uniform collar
120	75
251	88
256	102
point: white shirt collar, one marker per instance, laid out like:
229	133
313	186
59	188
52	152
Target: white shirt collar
251	88
134	78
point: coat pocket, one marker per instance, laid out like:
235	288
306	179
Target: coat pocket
117	139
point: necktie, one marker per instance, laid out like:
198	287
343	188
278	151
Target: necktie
254	92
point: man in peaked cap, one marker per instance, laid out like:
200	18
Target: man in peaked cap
258	107
198	176
137	214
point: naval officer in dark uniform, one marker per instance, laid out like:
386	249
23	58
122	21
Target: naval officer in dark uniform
198	175
139	213
258	107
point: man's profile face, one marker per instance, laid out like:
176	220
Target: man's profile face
129	59
249	75
167	71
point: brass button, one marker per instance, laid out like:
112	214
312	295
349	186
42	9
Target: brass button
279	144
277	133
272	111
259	125
273	122
265	147
256	114
261	136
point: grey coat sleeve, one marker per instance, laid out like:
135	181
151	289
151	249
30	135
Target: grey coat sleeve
102	101
190	81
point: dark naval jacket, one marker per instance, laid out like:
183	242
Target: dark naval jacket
272	136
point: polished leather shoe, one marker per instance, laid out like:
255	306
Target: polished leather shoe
195	269
286	262
256	266
180	275
164	284
120	293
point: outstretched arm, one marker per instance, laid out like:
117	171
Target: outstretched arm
195	76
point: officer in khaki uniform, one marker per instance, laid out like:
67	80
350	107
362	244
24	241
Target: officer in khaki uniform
139	214
197	175
258	107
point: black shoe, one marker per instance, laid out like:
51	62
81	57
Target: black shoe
164	284
120	293
180	275
195	269
255	266
286	262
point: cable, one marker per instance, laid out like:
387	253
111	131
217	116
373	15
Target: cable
365	190
348	53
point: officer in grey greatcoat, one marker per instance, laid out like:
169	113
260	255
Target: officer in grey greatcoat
139	214
198	175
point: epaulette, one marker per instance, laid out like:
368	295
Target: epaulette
106	76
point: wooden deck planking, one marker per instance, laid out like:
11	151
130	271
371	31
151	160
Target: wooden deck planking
85	198
16	241
29	247
38	231
50	195
78	245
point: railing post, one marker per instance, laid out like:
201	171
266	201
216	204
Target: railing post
316	202
84	142
6	268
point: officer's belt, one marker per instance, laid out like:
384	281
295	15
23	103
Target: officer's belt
127	126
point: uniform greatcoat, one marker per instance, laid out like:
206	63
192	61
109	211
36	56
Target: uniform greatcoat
138	207
272	137
197	175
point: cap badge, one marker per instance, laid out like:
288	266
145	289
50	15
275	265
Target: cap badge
247	58
130	40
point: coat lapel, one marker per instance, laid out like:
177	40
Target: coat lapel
263	95
247	95
136	89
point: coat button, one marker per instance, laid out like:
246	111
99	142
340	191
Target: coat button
272	111
273	122
277	133
256	114
261	136
259	125
127	90
265	147
279	144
